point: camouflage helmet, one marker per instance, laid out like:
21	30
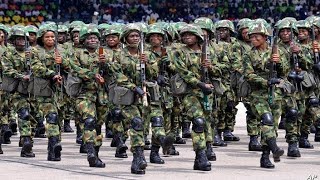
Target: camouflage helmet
192	28
154	30
62	29
143	27
225	24
18	31
312	19
87	30
76	29
243	23
179	25
44	29
73	24
204	23
116	30
258	28
171	32
266	24
290	19
31	29
303	24
103	26
316	22
4	28
286	23
128	29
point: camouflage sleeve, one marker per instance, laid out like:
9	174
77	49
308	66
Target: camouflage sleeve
40	69
79	71
121	77
8	68
216	68
305	58
152	67
184	71
250	74
236	58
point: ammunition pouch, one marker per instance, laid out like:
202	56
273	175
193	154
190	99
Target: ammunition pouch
308	80
9	84
154	91
178	85
219	88
42	87
73	85
121	95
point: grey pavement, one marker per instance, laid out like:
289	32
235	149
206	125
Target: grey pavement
233	162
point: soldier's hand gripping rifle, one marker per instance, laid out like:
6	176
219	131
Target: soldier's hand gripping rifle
204	73
296	76
273	69
99	77
316	62
58	64
143	72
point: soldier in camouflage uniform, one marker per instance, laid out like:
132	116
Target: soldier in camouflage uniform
228	111
15	66
92	67
238	50
44	66
257	65
188	63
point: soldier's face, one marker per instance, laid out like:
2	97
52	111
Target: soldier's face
20	42
75	37
2	35
224	33
189	38
285	35
112	40
32	37
133	38
303	34
62	37
258	39
244	34
316	31
156	39
92	41
48	39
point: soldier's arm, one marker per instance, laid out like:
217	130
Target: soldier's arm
8	68
121	74
152	67
78	70
40	69
250	74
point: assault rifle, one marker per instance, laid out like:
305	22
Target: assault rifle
273	67
143	72
204	72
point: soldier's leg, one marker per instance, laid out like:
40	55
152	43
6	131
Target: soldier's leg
68	114
176	120
311	116
253	128
22	107
230	118
6	132
146	125
219	125
194	111
39	128
88	112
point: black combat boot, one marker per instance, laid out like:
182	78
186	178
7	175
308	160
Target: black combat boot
83	148
293	150
186	133
154	155
102	164
276	151
282	122
66	127
217	139
27	145
147	144
1	152
254	144
304	142
139	163
228	136
166	142
92	157
114	141
79	135
179	140
13	126
121	148
109	133
201	162
317	135
264	160
6	133
172	151
54	149
312	129
40	131
210	154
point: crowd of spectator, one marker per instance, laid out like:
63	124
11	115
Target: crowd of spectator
150	11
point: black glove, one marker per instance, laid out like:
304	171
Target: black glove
139	91
292	75
300	77
204	89
273	81
316	67
161	80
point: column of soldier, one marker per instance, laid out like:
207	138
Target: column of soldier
166	76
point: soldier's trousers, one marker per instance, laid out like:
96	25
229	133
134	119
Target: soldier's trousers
253	123
4	107
293	125
48	107
228	111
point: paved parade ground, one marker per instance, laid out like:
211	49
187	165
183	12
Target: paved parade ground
233	162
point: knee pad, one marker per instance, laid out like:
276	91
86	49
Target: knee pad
292	115
24	113
115	115
198	125
313	102
52	118
157	121
137	124
267	119
90	123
